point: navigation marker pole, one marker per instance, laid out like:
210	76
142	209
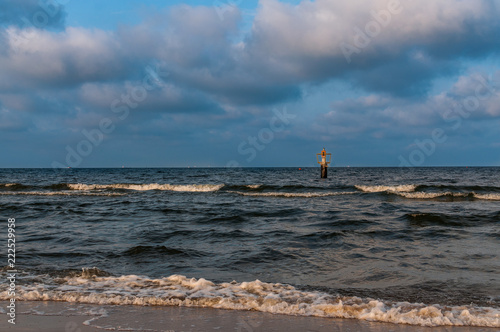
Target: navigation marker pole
325	161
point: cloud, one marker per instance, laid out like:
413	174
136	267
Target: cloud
60	79
288	46
45	59
477	95
184	36
470	101
198	51
405	40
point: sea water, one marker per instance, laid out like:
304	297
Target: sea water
418	246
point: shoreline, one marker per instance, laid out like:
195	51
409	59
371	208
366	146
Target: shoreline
78	317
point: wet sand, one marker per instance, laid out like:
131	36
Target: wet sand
71	317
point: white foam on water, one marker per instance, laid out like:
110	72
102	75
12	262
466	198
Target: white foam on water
152	186
284	194
97	313
493	197
253	186
57	193
255	295
408	191
375	189
424	195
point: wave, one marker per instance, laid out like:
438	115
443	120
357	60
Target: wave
425	195
13	186
280	188
381	188
9	184
493	197
253	186
56	193
98	288
408	191
288	194
465	188
145	187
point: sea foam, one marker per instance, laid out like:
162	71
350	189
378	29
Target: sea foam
145	187
424	195
254	295
57	193
493	197
288	194
398	188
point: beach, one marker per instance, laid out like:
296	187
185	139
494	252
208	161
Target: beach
70	317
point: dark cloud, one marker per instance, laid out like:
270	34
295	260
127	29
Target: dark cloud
416	44
200	55
45	59
216	87
411	76
289	45
462	109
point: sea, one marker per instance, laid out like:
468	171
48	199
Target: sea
417	246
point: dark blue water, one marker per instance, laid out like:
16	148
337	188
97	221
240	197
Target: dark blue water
421	235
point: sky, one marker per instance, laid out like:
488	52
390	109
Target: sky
238	83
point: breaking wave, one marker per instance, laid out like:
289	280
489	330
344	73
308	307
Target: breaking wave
407	191
398	188
57	193
254	186
288	194
493	197
425	195
153	186
12	186
96	287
